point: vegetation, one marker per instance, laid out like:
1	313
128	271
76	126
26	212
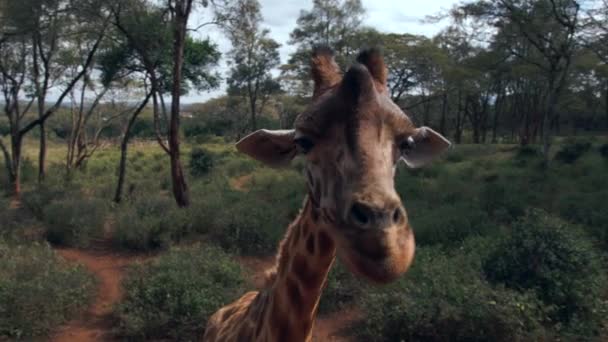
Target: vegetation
173	296
38	290
511	226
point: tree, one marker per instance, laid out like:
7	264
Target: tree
28	40
253	56
147	44
550	27
333	23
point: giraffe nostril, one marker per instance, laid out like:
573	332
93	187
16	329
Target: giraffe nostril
360	214
397	215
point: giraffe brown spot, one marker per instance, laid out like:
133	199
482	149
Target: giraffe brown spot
258	329
304	230
282	332
317	191
293	292
245	335
229	312
340	156
296	237
314	214
326	244
310	244
308	276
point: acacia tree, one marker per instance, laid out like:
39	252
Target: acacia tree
334	23
550	27
253	56
145	44
28	47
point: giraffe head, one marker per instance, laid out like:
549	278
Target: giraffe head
352	136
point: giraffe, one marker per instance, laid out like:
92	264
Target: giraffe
352	136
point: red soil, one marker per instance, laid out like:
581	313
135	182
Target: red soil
96	323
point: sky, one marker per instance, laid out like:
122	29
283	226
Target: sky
280	18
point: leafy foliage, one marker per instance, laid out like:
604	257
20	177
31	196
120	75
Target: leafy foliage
173	296
572	151
38	290
444	298
556	261
201	162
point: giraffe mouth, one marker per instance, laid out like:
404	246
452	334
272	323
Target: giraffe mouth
380	257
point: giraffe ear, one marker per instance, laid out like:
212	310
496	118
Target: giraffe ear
273	148
423	146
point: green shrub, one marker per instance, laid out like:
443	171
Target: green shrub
572	151
201	161
557	262
443	298
75	221
455	156
253	221
37	199
150	222
341	289
449	224
173	296
587	209
38	290
604	150
248	226
500	200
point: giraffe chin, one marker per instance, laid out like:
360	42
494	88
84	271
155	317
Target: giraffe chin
380	257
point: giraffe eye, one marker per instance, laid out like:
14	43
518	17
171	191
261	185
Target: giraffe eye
407	145
304	144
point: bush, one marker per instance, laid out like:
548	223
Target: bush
341	289
38	290
443	298
572	151
173	296
75	221
451	223
201	161
36	200
587	209
557	262
604	150
254	221
149	223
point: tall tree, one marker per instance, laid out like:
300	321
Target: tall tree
253	56
29	35
334	23
144	44
551	28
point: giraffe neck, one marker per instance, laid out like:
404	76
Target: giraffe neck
306	255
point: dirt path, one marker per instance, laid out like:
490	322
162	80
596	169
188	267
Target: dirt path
96	323
330	328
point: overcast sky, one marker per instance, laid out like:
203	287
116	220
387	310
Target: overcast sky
280	18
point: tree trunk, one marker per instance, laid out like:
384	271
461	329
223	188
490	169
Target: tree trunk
16	164
458	133
124	144
497	108
606	100
42	153
444	111
180	188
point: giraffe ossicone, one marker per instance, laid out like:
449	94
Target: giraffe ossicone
352	136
